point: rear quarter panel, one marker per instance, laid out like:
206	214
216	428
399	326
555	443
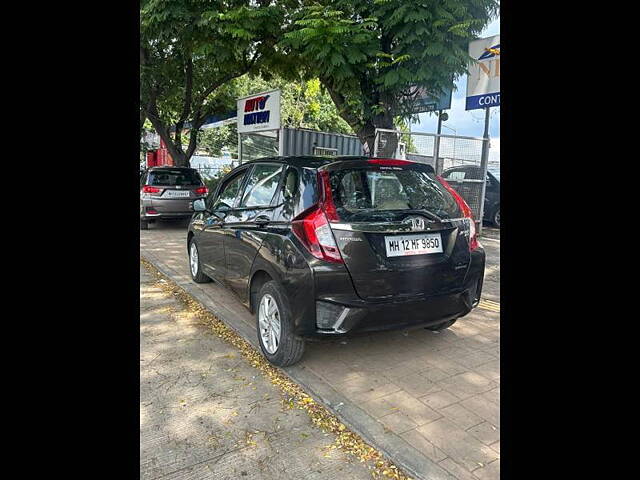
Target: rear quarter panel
283	261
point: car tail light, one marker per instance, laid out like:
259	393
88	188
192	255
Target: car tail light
201	191
313	230
466	212
150	189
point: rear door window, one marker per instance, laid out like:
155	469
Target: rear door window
170	178
261	185
367	193
456	175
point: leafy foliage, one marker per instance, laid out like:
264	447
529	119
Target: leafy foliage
190	50
372	55
213	140
213	181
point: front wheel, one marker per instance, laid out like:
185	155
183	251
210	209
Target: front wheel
194	264
275	332
496	217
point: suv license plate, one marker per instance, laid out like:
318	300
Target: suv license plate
403	245
176	194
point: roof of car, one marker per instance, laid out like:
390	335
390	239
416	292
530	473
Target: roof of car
170	167
312	161
462	167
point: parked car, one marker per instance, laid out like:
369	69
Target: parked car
330	246
456	175
167	192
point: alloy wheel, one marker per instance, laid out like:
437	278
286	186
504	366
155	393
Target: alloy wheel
193	259
269	323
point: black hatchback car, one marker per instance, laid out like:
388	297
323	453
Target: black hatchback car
327	246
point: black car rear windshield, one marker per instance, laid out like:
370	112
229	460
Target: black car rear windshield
169	177
378	193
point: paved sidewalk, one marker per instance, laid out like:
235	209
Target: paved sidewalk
206	413
428	401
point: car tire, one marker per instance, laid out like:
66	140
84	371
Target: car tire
283	347
441	326
195	267
496	217
144	225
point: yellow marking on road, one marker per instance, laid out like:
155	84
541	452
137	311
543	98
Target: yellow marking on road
490	305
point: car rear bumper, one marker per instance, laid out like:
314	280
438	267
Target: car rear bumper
151	208
360	317
345	313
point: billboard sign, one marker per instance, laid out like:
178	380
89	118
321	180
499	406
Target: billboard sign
426	102
483	81
259	112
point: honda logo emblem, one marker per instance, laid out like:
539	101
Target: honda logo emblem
416	223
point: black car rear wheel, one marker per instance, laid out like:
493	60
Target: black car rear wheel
496	217
441	326
275	333
144	225
194	264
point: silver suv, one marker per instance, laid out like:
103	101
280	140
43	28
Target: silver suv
167	192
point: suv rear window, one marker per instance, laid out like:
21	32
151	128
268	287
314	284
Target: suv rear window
367	193
168	177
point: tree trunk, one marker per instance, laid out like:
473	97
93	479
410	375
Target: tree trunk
366	131
367	136
180	159
387	142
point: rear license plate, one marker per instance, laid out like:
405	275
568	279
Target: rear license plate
402	245
176	194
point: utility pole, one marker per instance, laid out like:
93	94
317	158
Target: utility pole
436	146
483	165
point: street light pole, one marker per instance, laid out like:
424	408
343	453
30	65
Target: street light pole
436	146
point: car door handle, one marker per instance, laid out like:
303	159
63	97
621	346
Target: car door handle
262	220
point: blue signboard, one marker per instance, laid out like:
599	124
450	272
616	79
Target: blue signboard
427	102
483	101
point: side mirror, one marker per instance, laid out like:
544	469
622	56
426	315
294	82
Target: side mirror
199	205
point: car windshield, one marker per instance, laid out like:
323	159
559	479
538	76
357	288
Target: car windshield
495	172
374	193
169	177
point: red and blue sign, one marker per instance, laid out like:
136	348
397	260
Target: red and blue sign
254	109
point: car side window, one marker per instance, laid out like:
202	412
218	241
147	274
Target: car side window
261	185
290	185
228	193
456	175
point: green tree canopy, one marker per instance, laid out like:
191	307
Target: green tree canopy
371	55
190	50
